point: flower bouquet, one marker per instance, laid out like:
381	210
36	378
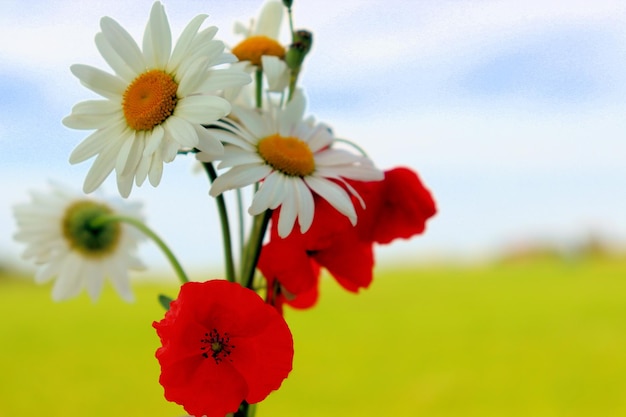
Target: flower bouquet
306	200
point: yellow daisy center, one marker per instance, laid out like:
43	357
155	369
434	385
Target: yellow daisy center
149	100
253	48
81	234
289	155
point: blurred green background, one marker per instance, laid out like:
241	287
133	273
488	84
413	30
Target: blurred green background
537	336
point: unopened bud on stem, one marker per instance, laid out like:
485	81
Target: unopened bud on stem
303	40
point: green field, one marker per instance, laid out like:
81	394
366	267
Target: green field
544	338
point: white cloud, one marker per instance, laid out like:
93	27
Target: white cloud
448	36
56	34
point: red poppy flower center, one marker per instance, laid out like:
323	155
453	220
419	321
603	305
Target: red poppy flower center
216	346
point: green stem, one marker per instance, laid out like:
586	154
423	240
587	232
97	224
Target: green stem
259	88
293	33
354	145
241	220
151	234
293	79
245	410
223	213
253	248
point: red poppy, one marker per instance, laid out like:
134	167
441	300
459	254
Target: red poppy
278	295
280	257
396	207
221	345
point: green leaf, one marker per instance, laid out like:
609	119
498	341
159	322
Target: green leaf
165	301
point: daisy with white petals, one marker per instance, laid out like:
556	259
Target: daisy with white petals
155	103
261	50
293	158
262	38
62	239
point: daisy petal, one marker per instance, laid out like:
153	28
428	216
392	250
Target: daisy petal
334	194
157	41
355	172
351	190
114	60
191	76
93	114
125	45
68	284
269	21
279	186
102	167
100	82
207	143
288	210
156	169
276	72
238	177
292	115
253	121
219	79
120	281
181	131
335	157
319	138
142	170
169	148
124	184
47	272
306	205
153	140
236	156
204	43
202	109
95	143
231	138
270	195
94	274
184	42
130	153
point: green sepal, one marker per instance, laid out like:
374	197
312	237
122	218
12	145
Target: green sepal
165	301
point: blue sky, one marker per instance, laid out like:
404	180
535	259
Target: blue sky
512	112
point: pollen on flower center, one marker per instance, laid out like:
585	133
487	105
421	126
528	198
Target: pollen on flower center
289	155
216	346
81	234
253	48
149	100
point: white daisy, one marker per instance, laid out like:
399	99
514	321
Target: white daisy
155	103
61	239
262	38
293	157
260	49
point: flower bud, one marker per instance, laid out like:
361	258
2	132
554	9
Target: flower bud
298	50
